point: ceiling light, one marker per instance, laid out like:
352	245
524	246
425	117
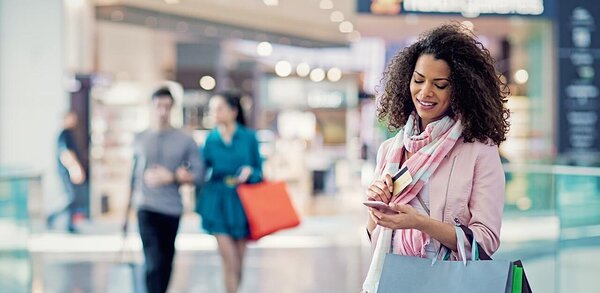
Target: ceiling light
326	4
469	25
336	16
172	1
317	75
346	27
283	68
303	69
271	2
334	74
207	82
264	49
521	76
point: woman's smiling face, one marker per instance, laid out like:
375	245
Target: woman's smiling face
430	88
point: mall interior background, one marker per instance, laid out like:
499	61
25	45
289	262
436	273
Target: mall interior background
309	72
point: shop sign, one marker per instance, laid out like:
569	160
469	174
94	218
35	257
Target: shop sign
468	8
476	7
578	82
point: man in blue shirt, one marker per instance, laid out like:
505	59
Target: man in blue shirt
70	170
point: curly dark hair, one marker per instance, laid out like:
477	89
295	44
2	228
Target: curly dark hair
478	95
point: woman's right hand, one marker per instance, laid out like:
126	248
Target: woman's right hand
381	189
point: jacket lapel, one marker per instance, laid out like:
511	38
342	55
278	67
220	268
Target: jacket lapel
440	186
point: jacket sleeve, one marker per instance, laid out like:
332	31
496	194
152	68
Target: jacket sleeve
487	199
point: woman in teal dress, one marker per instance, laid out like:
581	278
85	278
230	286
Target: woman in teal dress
231	156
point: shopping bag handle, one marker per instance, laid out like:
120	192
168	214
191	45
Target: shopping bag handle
460	244
481	254
462	232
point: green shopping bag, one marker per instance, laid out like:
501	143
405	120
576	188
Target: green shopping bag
518	282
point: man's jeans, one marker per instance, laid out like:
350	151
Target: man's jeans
158	233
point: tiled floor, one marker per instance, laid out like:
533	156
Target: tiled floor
327	253
303	267
327	269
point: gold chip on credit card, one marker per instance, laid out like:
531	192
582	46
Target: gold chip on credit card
401	179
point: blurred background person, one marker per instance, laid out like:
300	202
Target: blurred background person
70	171
232	157
165	158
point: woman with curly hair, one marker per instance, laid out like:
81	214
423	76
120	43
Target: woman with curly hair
449	105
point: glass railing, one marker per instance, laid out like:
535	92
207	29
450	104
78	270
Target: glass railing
552	223
20	202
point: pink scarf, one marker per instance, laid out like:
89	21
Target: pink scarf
428	149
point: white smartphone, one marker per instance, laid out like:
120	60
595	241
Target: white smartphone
382	207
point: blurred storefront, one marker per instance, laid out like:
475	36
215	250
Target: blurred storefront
301	94
310	92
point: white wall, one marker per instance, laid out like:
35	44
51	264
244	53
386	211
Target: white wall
137	57
79	35
32	97
134	53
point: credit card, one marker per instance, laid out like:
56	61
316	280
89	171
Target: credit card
401	179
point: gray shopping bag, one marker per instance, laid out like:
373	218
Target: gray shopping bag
414	274
418	275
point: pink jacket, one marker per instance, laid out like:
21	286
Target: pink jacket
467	186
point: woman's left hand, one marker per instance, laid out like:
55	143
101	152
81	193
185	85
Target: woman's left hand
406	218
245	173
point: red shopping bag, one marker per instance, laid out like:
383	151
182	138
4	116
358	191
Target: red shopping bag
268	208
